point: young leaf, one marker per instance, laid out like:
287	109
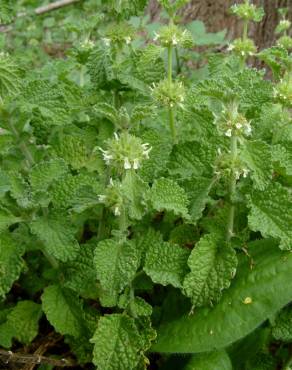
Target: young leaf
11	262
257	157
57	233
166	263
63	310
7	219
213	265
167	195
271	214
254	296
282	328
117	343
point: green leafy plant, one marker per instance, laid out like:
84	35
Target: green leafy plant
144	214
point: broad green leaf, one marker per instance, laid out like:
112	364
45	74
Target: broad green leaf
166	263
21	324
198	189
56	231
255	295
191	159
63	310
108	111
80	274
210	361
45	173
282	156
282	327
271	214
48	100
167	195
10	73
7	219
20	190
11	262
257	157
117	343
116	264
213	265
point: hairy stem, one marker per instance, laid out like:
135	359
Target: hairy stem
170	108
245	30
82	76
232	190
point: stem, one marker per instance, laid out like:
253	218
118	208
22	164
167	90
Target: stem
170	109
245	30
232	190
178	66
82	76
169	70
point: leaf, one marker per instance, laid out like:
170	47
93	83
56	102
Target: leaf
10	74
117	343
213	265
134	189
57	233
166	194
254	296
271	214
21	324
63	310
45	173
210	361
7	219
282	155
48	100
116	264
80	274
166	263
198	189
282	328
257	157
107	111
191	159
11	262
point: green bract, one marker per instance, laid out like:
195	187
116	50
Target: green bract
248	11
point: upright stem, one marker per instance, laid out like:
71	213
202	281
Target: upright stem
232	189
82	76
245	30
170	108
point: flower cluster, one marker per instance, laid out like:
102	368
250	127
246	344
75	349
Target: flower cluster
230	124
119	34
243	48
173	35
248	12
225	166
125	152
285	42
112	197
283	26
283	92
169	94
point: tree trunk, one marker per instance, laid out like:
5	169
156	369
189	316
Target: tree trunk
215	15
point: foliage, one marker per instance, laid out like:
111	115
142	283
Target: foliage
145	205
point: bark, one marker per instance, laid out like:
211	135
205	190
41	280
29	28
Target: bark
215	15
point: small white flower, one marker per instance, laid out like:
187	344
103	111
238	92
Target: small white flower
237	174
111	182
146	152
136	164
116	136
242	53
101	198
128	40
245	172
171	105
174	40
106	41
247	129
156	36
117	211
238	125
230	47
219	151
228	132
127	164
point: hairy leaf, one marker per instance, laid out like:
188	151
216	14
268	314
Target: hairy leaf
166	263
57	233
213	265
271	214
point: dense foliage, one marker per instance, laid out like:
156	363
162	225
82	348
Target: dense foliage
145	189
